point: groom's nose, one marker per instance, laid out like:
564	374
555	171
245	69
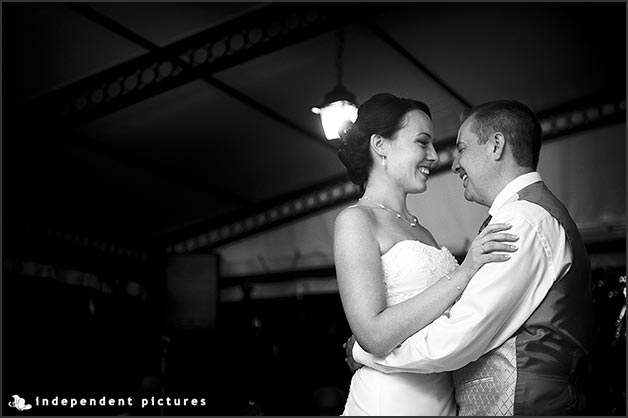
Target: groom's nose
455	166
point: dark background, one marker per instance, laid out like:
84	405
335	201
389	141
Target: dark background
114	191
284	354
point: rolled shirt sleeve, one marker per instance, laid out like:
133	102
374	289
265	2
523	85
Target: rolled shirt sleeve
497	301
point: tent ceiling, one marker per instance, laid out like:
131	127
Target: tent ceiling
204	151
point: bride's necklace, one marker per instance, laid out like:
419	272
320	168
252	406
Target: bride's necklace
414	222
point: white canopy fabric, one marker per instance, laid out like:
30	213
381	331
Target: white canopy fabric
586	171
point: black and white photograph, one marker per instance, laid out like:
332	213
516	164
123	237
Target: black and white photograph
313	209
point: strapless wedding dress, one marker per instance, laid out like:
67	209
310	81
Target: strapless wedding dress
410	267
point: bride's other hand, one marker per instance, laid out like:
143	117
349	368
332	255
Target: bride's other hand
348	346
488	247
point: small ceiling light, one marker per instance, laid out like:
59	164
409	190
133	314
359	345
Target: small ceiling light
338	109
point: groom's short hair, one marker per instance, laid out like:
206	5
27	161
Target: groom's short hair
515	121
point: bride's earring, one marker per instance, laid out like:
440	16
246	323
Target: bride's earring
383	161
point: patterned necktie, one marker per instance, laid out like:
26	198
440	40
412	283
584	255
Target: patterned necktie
486	221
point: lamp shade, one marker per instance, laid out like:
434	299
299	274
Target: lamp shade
337	112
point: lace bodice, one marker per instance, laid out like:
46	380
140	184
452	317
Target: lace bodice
411	266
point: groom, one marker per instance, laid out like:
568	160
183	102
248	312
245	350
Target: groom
519	336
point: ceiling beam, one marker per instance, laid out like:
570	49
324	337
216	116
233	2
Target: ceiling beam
115	27
258	33
261	216
236	41
567	119
384	36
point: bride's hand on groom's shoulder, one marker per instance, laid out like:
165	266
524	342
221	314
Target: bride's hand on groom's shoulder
489	247
348	346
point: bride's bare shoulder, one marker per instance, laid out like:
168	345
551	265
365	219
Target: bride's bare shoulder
356	215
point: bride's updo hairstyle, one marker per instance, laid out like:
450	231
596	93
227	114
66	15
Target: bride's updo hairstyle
382	114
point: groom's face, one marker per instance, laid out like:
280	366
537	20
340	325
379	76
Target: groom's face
471	164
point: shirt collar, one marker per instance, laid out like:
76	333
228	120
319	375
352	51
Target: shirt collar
509	193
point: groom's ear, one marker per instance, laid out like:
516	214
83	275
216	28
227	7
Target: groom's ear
498	145
379	145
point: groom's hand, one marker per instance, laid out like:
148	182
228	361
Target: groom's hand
348	346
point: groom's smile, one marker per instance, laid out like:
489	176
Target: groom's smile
464	177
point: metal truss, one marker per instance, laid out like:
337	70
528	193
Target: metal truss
339	190
556	123
25	233
582	116
239	40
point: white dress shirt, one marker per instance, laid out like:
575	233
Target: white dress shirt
498	299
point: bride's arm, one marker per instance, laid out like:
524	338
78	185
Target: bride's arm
376	327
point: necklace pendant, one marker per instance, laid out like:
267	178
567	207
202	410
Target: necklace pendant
397	214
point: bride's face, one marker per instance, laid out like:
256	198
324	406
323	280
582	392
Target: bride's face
412	155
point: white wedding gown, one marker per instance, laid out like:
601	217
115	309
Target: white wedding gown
410	267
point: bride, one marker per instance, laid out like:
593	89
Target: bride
393	278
